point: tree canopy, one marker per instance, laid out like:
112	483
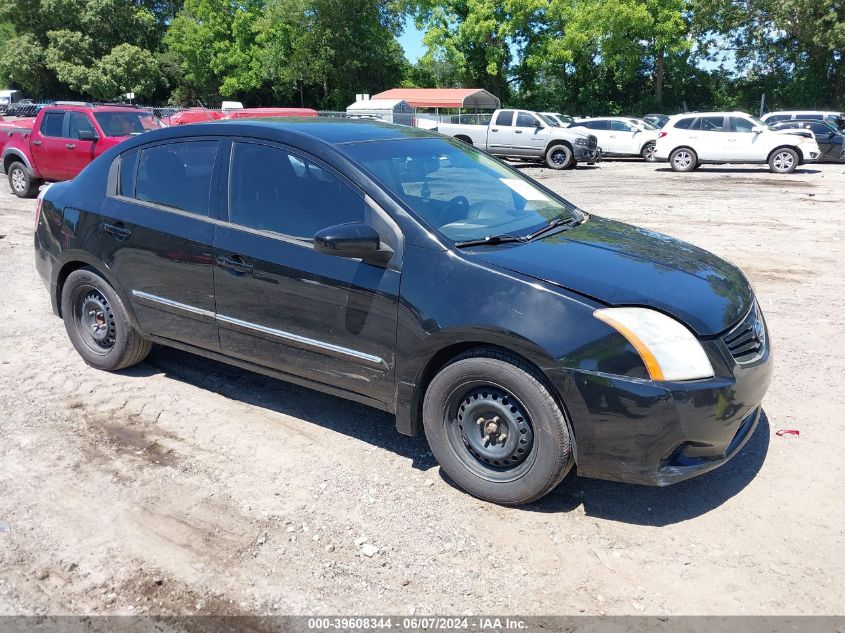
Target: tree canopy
580	56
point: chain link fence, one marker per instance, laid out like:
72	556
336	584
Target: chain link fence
174	115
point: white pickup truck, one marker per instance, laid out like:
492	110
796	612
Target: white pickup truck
527	135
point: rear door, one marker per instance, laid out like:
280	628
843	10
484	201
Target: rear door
156	236
500	133
48	145
281	304
710	139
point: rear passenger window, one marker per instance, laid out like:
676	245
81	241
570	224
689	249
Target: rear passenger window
505	117
51	124
272	190
597	125
128	166
177	175
712	124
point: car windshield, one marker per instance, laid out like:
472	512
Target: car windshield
550	120
459	191
646	125
126	123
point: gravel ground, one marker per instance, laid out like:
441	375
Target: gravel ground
186	486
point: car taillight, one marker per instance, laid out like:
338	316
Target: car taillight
38	203
662	134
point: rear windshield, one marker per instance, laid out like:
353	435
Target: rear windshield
126	123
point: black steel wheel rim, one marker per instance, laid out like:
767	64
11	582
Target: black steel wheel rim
94	319
489	431
559	157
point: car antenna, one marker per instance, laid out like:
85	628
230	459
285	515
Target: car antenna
204	109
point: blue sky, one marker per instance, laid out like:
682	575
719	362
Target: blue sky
411	41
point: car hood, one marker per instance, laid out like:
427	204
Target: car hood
619	264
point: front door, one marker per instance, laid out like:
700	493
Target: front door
78	152
741	140
156	235
621	139
529	134
285	306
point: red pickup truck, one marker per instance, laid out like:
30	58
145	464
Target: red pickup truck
62	139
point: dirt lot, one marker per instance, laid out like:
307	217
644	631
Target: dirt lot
185	486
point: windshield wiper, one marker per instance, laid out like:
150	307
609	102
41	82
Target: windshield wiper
553	224
491	240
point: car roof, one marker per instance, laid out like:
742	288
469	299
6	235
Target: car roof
308	131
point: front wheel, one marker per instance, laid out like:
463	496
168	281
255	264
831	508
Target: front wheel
683	159
97	323
495	428
560	157
23	185
783	161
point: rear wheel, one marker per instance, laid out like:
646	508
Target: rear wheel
648	152
683	159
98	324
495	428
560	157
783	160
23	185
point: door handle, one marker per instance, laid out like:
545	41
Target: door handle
70	145
117	230
517	131
36	142
494	129
731	140
693	137
235	263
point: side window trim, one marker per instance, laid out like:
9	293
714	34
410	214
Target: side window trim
46	117
213	201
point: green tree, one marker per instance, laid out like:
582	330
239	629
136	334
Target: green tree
71	43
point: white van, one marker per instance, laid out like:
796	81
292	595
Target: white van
8	97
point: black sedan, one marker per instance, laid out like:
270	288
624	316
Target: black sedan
828	137
412	272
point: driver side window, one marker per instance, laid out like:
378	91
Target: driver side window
620	126
739	124
526	120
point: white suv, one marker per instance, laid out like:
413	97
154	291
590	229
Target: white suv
620	136
688	140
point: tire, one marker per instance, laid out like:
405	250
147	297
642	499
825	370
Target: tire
683	159
88	300
560	157
648	152
22	184
488	394
783	160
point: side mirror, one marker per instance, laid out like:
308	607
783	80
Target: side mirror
356	240
757	129
87	135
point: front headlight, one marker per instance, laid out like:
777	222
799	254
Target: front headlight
668	349
580	141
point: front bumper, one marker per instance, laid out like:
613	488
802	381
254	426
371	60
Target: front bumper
656	433
583	153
